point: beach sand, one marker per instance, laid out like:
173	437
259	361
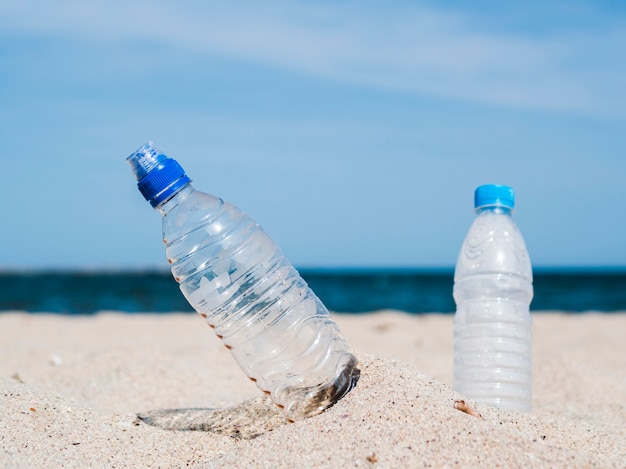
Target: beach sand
71	389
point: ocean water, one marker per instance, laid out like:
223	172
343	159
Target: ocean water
342	290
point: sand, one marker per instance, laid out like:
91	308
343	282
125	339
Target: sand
71	389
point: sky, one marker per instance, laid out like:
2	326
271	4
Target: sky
354	132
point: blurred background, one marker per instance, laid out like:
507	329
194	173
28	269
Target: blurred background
353	132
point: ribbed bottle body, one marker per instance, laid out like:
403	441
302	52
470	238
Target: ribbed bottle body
278	331
492	325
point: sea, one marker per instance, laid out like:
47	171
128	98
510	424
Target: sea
415	291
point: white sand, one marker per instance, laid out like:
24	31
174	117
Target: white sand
70	389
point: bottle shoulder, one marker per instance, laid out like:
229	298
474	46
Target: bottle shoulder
493	243
194	209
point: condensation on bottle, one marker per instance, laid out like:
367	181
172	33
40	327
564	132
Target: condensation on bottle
493	290
235	277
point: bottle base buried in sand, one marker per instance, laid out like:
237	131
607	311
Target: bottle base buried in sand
313	401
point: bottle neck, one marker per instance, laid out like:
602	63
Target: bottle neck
175	200
499	209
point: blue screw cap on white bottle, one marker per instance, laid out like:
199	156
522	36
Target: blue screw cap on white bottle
494	195
158	176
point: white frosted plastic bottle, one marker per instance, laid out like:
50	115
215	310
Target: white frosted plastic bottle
493	290
235	277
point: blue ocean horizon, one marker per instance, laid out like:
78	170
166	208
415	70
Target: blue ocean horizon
342	290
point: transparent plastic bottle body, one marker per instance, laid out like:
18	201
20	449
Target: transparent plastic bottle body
492	325
277	330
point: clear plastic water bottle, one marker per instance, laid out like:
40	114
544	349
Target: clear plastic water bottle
493	290
235	277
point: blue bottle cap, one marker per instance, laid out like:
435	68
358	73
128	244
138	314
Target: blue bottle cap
158	176
494	195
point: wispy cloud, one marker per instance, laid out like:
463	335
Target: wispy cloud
411	48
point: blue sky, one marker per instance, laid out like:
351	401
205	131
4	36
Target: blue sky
353	132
